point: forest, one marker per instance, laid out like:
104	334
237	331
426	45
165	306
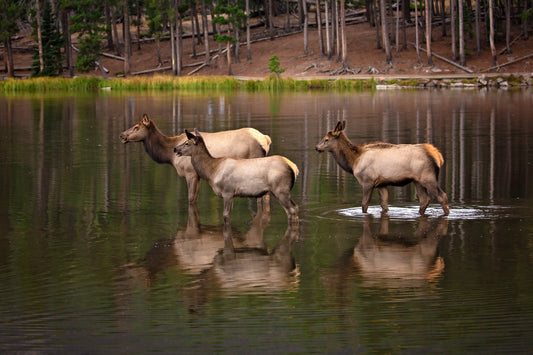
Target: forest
224	29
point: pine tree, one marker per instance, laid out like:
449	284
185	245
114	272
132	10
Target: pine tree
88	23
52	42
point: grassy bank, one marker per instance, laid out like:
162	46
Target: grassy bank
167	83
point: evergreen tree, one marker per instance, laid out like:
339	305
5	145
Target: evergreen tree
52	42
88	22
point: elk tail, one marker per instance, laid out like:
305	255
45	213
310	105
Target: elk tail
435	154
263	139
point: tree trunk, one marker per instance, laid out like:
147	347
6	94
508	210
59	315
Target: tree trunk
228	53
385	30
179	31
127	39
9	57
319	26
416	34
525	24
39	34
343	35
116	40
138	25
306	25
108	26
453	28
194	33
462	59
429	12
328	44
173	48
508	26
478	33
68	45
248	34
288	23
491	33
206	32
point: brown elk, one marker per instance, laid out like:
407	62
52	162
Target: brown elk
378	165
231	177
241	143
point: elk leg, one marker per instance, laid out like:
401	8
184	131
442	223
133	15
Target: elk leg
435	190
288	205
384	198
367	195
228	206
423	197
193	187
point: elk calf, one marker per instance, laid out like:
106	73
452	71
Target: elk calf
242	177
378	165
239	143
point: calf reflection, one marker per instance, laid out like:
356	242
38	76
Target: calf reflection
383	255
217	258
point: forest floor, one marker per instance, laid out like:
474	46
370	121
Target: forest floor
364	58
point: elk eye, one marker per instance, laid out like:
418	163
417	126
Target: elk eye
326	140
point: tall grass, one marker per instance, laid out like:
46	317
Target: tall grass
168	83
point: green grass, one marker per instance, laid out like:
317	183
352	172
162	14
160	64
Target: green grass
168	83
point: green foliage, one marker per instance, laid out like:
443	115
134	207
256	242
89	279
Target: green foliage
11	12
52	41
88	23
274	65
230	16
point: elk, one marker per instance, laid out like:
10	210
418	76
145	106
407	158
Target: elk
241	143
230	177
378	165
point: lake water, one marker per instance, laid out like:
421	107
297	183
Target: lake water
100	252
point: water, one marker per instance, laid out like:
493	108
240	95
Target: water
100	252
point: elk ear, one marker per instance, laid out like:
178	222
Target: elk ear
189	135
146	120
340	126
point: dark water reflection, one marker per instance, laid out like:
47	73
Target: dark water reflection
100	251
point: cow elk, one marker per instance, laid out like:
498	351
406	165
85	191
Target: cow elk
241	143
378	165
231	177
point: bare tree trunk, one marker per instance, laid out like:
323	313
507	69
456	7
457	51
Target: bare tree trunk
462	59
108	27
127	39
319	26
306	25
138	25
508	26
9	58
477	31
248	34
343	35
228	53
525	24
385	30
68	45
453	28
206	32
173	48
416	33
334	22
337	28
116	40
39	34
288	23
328	44
377	14
397	38
179	45
491	33
429	11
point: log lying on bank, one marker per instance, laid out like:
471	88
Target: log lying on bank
497	67
444	59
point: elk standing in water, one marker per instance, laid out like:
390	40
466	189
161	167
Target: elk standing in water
378	165
242	177
241	143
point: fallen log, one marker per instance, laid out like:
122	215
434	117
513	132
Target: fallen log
445	60
508	63
202	66
148	71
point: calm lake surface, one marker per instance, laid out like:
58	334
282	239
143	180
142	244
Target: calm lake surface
100	252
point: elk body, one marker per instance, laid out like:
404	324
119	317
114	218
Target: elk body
241	143
378	165
231	177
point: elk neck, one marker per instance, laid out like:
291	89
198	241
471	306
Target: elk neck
203	162
346	153
160	147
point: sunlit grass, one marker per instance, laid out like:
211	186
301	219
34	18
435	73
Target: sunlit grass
169	83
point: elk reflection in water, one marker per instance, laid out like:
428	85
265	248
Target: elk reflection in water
219	259
393	258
